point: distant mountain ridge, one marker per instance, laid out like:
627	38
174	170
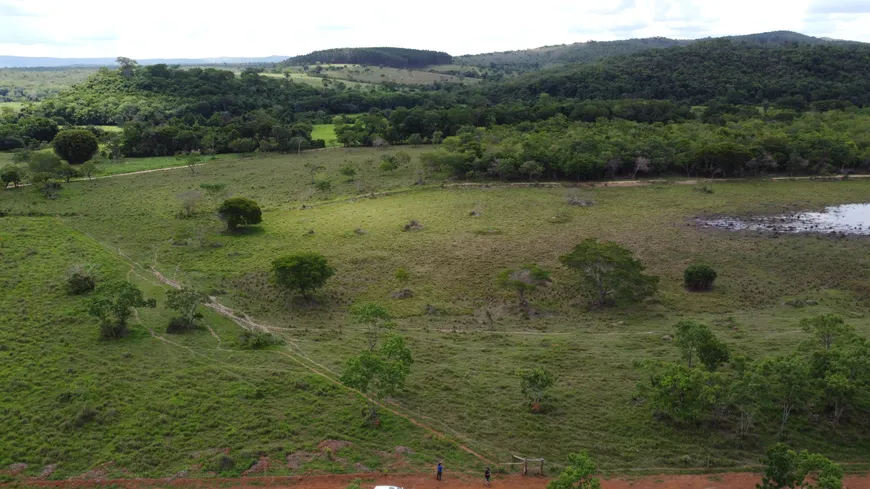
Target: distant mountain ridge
45	62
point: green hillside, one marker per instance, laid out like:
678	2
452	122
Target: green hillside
383	56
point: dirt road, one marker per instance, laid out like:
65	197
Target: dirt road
462	481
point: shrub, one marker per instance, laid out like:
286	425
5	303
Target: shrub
389	163
323	184
533	383
114	305
348	170
75	145
699	277
240	211
256	340
81	279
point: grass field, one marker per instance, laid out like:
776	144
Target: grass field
325	132
372	75
151	397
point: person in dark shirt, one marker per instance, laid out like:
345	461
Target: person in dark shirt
486	474
440	470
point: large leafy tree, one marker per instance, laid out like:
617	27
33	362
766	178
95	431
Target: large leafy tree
184	301
75	145
785	468
379	373
827	329
302	272
788	384
609	273
240	211
114	304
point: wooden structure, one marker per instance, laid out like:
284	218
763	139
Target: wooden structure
525	461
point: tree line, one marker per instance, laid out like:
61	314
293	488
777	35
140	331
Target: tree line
384	56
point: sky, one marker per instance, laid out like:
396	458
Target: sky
214	28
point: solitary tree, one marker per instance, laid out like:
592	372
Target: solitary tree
240	211
302	272
578	474
380	373
533	383
522	280
641	164
313	170
114	305
88	169
415	139
184	301
609	273
75	145
67	172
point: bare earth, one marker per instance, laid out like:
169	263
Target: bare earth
426	481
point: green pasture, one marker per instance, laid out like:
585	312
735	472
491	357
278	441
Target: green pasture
173	405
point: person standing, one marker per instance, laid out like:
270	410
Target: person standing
486	475
440	470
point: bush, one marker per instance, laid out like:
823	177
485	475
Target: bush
323	184
239	211
75	145
81	279
256	340
699	277
11	176
389	163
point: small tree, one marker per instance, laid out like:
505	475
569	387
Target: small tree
348	170
533	169
374	317
685	394
699	277
11	176
788	384
641	164
380	373
578	474
184	301
88	169
523	280
826	329
323	184
191	160
75	145
240	211
784	468
609	273
114	305
696	339
302	272
190	200
415	139
533	383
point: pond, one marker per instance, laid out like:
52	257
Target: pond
851	219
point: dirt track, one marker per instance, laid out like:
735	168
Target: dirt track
463	481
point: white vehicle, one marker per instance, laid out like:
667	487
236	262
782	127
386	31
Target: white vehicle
387	487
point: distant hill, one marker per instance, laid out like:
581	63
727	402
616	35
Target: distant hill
390	57
35	62
584	52
730	71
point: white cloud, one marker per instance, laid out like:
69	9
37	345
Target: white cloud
199	28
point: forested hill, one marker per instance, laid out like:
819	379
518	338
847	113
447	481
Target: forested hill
721	70
584	52
391	57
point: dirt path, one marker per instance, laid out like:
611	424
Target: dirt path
742	480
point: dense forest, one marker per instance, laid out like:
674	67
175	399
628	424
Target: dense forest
391	57
718	107
736	73
585	52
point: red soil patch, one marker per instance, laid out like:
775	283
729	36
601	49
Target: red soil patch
451	481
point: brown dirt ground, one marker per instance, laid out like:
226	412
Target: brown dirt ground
425	481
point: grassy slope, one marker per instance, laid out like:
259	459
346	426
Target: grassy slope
325	132
461	382
158	406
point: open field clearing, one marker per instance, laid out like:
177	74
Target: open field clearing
325	132
144	395
370	75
